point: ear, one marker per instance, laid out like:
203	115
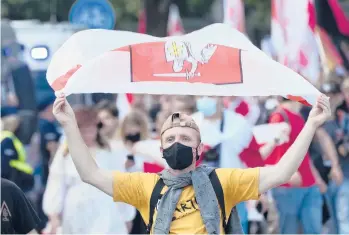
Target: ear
200	149
161	150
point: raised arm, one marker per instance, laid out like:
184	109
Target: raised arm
273	176
329	150
85	164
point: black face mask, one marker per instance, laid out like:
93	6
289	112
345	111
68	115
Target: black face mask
100	125
178	156
133	138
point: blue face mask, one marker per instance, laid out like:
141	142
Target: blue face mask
207	106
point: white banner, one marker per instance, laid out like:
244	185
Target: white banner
216	60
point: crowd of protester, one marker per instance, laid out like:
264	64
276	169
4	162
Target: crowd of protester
315	200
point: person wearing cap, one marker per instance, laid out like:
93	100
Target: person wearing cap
188	203
13	156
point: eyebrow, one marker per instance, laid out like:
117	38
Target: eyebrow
186	136
168	137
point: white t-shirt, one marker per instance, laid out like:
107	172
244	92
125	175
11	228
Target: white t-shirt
84	208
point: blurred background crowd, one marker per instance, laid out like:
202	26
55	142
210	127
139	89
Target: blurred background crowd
309	36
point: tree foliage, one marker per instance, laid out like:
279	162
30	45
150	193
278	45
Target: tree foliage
35	9
257	11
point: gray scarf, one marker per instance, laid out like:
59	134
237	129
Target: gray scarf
205	197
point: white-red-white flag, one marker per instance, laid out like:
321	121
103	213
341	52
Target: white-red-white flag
234	14
292	33
174	24
216	60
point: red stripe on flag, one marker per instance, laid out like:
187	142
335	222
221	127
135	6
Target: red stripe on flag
298	99
61	81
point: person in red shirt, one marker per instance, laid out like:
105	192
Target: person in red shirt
300	199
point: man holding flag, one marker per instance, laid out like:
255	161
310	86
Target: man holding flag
187	187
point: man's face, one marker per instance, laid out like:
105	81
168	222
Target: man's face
184	135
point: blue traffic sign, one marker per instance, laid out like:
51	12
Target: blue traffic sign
94	14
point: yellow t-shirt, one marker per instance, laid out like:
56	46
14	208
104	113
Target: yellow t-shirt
136	189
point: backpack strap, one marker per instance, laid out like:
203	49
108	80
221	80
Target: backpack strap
154	201
216	184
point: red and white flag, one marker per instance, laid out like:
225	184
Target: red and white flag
174	24
216	60
292	27
234	14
